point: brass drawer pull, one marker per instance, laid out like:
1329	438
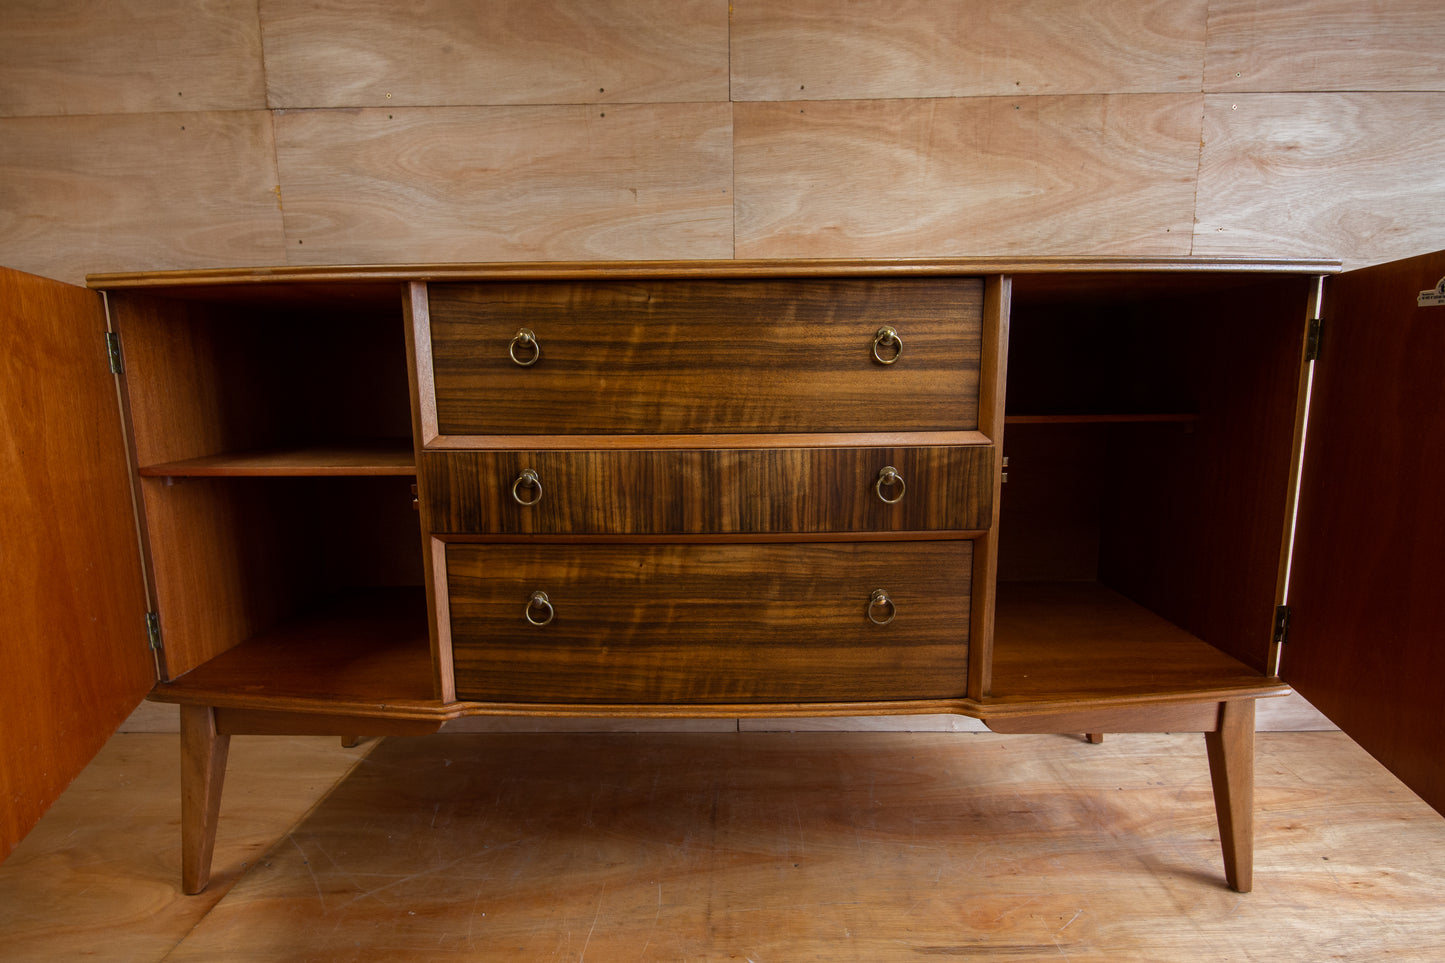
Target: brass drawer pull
887	337
542	605
881	609
528	479
528	342
888	476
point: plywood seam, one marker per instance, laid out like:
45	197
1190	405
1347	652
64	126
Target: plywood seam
1198	160
265	81
732	142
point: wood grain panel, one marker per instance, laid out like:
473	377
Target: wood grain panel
1049	513
1284	45
138	192
989	175
710	623
707	356
1184	717
877	49
1365	636
506	183
72	602
129	56
463	52
1289	713
1194	530
1360	176
711	491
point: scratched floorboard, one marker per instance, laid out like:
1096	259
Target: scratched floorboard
831	846
733	846
99	876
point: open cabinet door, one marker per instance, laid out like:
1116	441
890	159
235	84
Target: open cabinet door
1367	593
74	660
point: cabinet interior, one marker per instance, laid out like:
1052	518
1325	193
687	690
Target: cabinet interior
1149	434
272	434
1150	425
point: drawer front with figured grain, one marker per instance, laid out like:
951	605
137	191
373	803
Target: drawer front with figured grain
705	356
697	624
722	491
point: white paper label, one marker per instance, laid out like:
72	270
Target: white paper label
1433	298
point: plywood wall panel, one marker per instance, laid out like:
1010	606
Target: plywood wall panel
1294	45
88	57
1359	177
506	183
987	176
471	52
129	192
825	50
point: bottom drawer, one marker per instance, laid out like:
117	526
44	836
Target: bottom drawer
710	623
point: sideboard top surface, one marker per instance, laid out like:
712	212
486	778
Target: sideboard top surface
634	270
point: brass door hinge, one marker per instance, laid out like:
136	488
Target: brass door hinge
112	349
1312	340
153	630
1281	624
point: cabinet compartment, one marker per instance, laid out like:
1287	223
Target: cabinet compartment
704	356
238	382
272	436
777	490
244	556
1153	480
709	623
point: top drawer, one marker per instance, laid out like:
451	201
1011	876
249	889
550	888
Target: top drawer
706	356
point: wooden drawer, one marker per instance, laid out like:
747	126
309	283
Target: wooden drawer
724	491
709	623
705	356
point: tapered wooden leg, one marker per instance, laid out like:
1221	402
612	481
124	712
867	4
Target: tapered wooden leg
1231	768
351	742
1094	737
203	770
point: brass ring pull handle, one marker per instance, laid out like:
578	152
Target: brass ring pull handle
881	609
540	604
886	338
889	477
527	341
527	479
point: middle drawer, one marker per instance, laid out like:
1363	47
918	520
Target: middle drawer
715	491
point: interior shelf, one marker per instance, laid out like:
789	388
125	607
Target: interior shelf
363	647
1083	642
354	458
1101	419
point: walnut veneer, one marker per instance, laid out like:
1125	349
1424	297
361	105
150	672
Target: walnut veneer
718	489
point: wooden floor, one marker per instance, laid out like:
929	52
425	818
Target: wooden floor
732	846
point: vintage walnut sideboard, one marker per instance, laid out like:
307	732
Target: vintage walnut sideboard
1058	495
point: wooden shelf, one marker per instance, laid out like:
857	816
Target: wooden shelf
362	458
1082	643
1100	419
364	649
